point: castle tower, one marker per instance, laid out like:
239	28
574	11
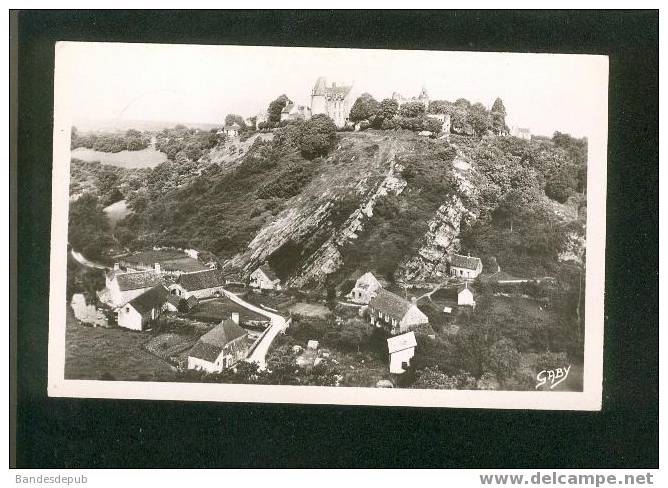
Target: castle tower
333	101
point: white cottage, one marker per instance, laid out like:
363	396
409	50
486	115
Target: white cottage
122	287
465	295
264	278
141	311
232	130
465	267
222	347
200	284
402	350
394	313
365	288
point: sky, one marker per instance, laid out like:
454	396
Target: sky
201	84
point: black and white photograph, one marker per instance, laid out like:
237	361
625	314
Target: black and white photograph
235	223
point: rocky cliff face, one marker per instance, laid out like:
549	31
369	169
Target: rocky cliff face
431	261
327	259
308	222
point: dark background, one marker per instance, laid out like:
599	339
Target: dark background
77	433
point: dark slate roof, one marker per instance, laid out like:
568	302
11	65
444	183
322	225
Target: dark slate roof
390	304
467	262
211	344
321	88
201	280
233	126
268	272
150	299
169	259
192	301
174	300
137	280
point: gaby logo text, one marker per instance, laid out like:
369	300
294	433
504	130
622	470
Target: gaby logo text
553	376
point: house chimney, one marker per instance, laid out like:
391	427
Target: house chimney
117	267
157	268
235	317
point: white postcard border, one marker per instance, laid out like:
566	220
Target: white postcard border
589	399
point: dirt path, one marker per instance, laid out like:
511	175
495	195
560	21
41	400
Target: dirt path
277	324
85	262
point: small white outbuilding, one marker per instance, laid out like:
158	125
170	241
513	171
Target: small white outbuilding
402	350
465	295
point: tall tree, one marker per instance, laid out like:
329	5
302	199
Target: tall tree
275	108
440	107
498	117
479	119
388	108
235	118
412	109
365	108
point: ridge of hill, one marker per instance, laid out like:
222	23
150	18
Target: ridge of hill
388	201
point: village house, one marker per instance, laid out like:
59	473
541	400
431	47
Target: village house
365	288
394	313
423	98
465	295
466	267
222	347
142	310
264	278
200	284
292	112
522	133
402	350
121	287
232	130
163	261
444	119
333	101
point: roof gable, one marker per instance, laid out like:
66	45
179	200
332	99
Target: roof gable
137	280
150	299
463	287
201	280
268	272
390	304
211	344
401	342
468	262
368	280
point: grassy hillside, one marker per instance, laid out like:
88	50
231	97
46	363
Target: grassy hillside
276	205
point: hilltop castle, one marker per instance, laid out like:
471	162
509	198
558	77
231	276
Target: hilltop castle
422	98
333	101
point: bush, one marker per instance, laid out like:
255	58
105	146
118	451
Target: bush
317	136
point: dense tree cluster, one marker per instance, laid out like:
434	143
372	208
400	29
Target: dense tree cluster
131	140
88	227
274	112
184	144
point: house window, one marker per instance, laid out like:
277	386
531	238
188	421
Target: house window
461	272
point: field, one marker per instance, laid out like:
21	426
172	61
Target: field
309	309
146	158
218	309
117	212
113	354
